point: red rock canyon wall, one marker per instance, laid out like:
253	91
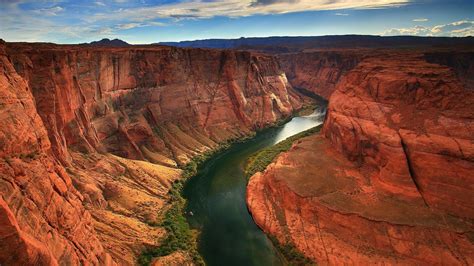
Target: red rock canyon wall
390	178
319	71
91	139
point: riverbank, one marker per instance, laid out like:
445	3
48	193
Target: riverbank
180	237
260	160
216	197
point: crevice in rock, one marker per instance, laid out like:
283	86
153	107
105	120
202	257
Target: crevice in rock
411	169
318	226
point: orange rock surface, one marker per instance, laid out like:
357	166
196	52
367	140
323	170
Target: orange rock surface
150	102
391	177
319	71
91	139
42	219
411	122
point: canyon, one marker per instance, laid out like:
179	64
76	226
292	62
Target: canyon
93	138
319	71
390	178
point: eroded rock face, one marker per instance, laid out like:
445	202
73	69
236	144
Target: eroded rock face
462	63
390	178
91	139
151	102
42	218
412	122
319	71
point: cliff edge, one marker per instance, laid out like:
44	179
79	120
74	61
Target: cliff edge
93	137
390	178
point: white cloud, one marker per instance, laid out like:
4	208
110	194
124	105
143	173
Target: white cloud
464	32
52	11
420	20
239	8
101	31
460	28
132	25
20	24
341	14
128	26
156	23
417	30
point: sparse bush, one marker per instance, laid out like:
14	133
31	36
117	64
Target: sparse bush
291	254
180	235
30	156
260	160
152	223
8	160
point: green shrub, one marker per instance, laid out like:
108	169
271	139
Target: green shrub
30	156
260	160
8	160
152	223
179	235
291	254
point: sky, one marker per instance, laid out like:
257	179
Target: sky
151	21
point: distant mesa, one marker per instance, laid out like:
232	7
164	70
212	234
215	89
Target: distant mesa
110	43
281	44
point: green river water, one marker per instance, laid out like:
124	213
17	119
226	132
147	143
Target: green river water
216	197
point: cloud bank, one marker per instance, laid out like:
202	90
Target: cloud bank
66	20
53	20
460	28
240	8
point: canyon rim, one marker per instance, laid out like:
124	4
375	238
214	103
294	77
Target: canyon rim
201	147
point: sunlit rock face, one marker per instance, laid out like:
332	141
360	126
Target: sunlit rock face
129	101
91	139
390	178
412	122
42	218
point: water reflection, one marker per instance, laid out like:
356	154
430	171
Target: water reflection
302	123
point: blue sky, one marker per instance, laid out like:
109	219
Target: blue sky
149	21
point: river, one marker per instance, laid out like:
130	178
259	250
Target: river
216	197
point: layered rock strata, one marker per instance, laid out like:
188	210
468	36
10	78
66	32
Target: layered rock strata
390	178
91	139
42	217
150	103
319	71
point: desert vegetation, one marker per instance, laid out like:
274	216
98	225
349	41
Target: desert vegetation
260	160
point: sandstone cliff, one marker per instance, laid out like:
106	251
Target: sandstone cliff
412	122
390	178
91	139
42	219
319	71
128	101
